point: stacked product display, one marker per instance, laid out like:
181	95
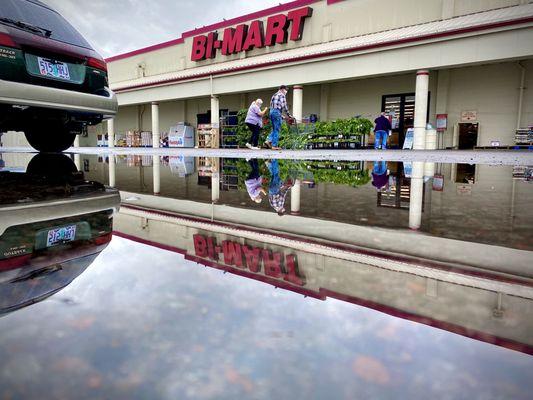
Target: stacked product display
203	136
524	136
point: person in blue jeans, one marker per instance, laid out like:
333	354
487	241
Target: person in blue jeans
278	105
277	190
380	175
381	131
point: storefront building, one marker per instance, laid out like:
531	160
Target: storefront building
469	62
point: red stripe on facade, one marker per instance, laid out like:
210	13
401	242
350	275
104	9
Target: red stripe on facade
213	27
146	49
334	53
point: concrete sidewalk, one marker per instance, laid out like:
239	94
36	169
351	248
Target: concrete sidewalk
497	157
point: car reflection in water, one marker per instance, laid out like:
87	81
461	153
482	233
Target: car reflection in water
53	224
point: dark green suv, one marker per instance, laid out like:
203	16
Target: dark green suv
52	83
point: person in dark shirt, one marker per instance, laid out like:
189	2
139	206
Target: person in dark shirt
380	175
381	131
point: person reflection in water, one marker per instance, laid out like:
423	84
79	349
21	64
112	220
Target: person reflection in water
380	174
277	190
254	182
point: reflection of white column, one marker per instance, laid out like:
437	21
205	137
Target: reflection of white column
295	197
431	144
297	102
416	195
215	180
111	132
421	107
157	174
215	122
155	124
455	138
77	161
112	172
215	187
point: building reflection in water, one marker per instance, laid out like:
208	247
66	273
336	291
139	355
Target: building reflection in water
53	224
423	278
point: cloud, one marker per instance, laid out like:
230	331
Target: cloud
124	25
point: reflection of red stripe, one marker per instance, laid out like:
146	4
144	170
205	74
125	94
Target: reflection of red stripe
323	294
14	262
149	242
435	323
355	250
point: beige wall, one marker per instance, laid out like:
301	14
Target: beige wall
336	21
471	307
492	90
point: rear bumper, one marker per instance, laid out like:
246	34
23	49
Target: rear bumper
18	214
23	94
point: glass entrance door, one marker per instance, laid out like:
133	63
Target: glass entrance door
401	111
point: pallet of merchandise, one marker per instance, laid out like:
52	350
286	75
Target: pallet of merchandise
524	136
133	160
146	139
204	166
203	136
133	139
146	161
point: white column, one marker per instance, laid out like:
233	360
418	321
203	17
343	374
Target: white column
298	102
156	169
77	141
295	197
421	107
416	195
112	171
215	122
155	124
111	132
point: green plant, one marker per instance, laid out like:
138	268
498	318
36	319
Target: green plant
298	136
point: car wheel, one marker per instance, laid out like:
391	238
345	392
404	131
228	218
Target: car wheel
51	165
53	139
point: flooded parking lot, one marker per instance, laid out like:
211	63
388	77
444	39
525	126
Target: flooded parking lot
233	278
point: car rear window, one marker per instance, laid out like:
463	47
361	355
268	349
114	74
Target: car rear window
35	14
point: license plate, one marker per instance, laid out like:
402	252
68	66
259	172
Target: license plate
60	235
53	69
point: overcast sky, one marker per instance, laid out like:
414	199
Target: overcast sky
118	26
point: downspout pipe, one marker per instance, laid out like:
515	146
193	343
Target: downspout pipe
521	94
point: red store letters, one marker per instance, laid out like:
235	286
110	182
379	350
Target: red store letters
246	37
275	264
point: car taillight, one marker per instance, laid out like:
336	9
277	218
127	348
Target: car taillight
96	63
103	239
5	40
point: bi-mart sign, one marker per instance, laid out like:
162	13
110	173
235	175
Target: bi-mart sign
280	28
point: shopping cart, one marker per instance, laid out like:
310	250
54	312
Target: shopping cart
298	134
